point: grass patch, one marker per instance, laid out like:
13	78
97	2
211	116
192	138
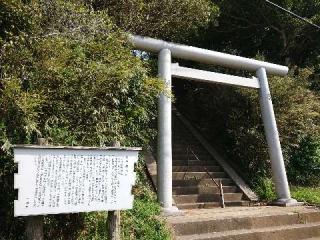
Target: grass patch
306	194
265	190
95	226
143	221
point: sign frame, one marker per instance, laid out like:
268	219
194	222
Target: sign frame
38	169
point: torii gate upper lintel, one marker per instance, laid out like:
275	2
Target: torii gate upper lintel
167	70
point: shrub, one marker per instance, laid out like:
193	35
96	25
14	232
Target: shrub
143	221
304	168
265	190
175	20
68	76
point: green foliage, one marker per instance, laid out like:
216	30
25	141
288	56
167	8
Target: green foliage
66	226
67	74
304	168
248	27
143	221
297	109
265	190
177	20
94	226
81	80
15	17
306	194
314	78
231	117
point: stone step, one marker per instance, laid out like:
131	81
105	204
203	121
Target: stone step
203	190
208	205
197	175
201	157
183	148
182	135
287	232
199	152
185	144
241	219
196	168
184	152
181	162
201	198
184	139
193	183
202	182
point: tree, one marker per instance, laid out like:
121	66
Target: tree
175	20
251	27
68	75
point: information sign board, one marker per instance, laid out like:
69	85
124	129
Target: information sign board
52	180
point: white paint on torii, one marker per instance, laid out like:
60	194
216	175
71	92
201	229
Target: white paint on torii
167	70
212	77
206	56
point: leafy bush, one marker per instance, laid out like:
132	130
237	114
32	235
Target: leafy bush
69	76
87	82
265	190
251	27
143	221
304	168
15	17
175	20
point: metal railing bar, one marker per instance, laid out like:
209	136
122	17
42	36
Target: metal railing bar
219	185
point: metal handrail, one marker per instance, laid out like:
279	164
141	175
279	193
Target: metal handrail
219	185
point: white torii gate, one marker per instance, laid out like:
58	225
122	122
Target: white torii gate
167	70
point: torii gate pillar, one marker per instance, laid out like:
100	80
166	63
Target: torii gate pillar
164	164
270	127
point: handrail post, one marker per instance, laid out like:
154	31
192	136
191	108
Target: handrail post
164	169
277	164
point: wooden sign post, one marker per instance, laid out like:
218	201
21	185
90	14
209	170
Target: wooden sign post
113	219
34	224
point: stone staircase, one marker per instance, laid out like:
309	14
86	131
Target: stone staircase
193	170
248	223
195	164
198	170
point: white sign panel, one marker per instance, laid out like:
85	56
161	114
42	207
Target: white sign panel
65	180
